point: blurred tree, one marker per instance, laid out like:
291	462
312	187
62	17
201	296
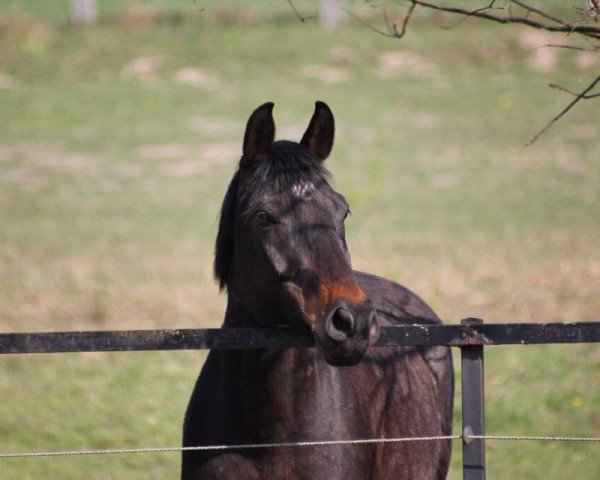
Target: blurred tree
83	11
331	13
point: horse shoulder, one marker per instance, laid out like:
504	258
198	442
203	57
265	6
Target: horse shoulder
396	304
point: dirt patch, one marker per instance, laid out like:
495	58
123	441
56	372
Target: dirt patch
325	74
195	77
182	169
444	180
70	163
344	54
130	170
24	177
217	127
541	57
7	82
182	160
572	166
191	161
47	156
220	153
163	151
426	121
395	63
142	68
587	59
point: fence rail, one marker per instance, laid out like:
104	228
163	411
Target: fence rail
471	336
466	334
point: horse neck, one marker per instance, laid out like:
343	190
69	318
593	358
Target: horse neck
285	391
294	387
245	310
236	314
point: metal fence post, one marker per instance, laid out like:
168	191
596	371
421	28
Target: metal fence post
472	407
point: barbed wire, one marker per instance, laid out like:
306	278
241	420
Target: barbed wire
124	451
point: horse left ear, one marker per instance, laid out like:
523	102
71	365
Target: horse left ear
318	137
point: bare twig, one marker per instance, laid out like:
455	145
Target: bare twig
557	45
536	18
517	12
393	28
539	12
368	25
566	90
583	95
558	26
472	12
405	21
297	13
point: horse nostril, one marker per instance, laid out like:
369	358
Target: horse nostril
340	324
343	320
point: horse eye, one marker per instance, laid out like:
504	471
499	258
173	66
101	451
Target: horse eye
263	218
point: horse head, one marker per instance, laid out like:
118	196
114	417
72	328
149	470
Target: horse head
281	250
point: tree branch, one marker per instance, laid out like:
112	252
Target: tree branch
297	13
566	90
472	12
539	12
550	23
567	47
393	28
583	95
558	26
521	14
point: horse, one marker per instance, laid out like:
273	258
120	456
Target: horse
282	257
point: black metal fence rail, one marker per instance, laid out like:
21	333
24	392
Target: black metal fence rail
466	334
471	336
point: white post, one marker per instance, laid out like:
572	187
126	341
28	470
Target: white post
83	11
331	14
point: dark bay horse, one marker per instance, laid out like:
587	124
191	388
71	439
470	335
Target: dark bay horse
281	254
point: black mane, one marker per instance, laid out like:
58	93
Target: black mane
287	164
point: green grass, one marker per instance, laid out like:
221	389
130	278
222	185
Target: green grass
116	146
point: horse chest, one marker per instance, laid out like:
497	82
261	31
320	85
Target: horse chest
299	397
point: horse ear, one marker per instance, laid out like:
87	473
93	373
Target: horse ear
318	137
260	133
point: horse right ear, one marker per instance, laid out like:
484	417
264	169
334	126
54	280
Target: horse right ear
260	133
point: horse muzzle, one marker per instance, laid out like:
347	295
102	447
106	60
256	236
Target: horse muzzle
346	333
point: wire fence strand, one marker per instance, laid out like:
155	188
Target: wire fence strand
125	451
314	443
533	438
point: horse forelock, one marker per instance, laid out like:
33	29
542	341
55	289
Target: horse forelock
289	169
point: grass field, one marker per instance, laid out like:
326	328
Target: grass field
116	145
